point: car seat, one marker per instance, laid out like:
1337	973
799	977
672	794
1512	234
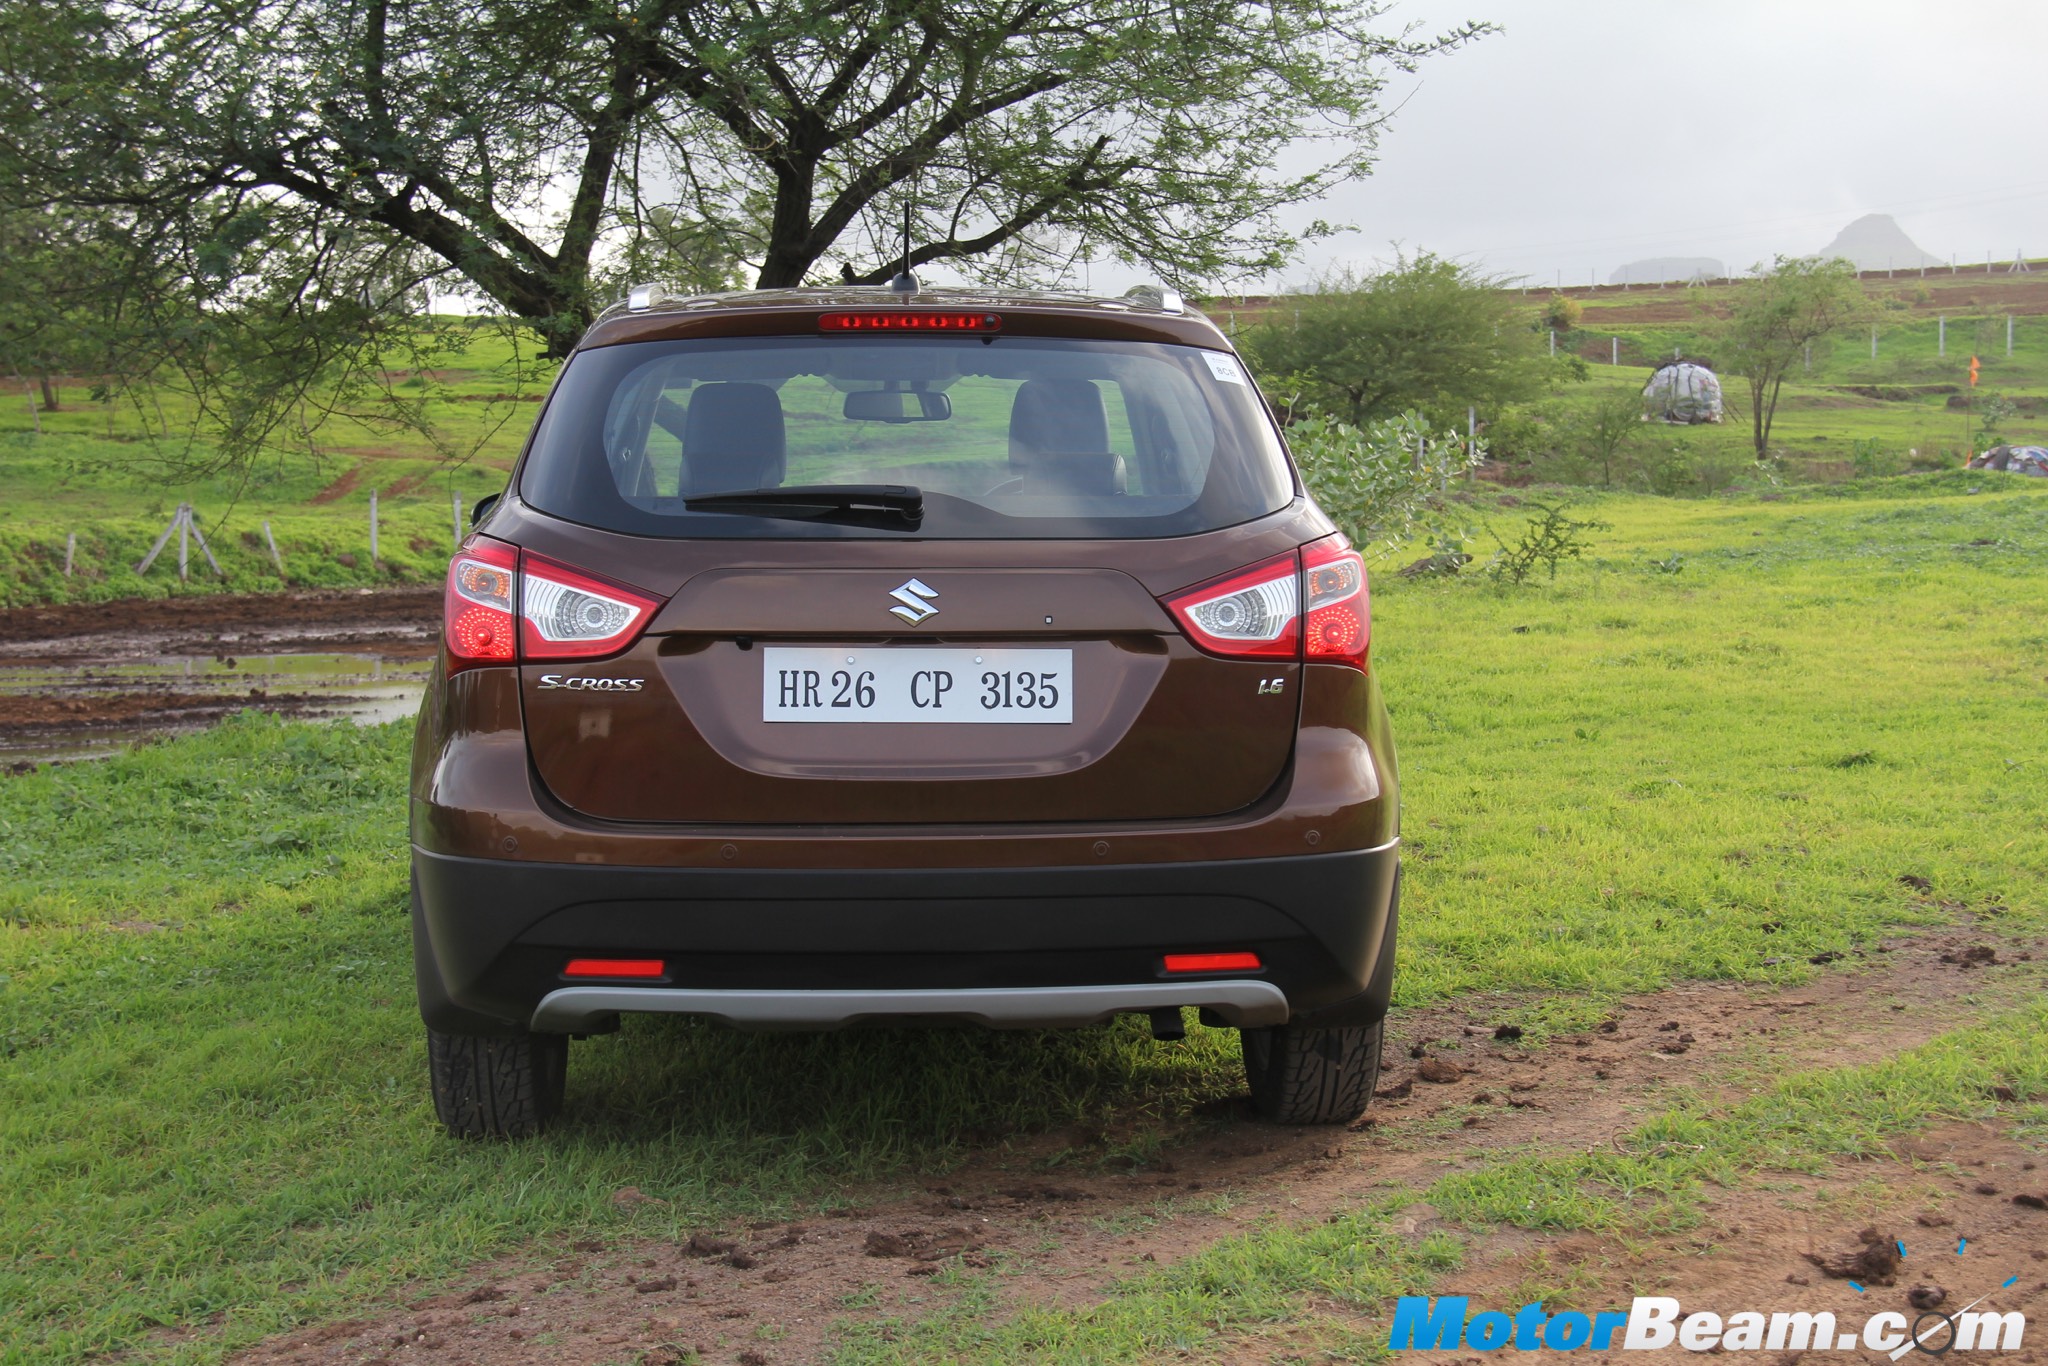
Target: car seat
733	439
1059	439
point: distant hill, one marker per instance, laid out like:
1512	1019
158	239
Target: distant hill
1876	242
1658	269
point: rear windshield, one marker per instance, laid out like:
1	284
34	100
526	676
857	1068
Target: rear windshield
1008	437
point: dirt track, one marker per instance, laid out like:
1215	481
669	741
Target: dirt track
655	1301
274	618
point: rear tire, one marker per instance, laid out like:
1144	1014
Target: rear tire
1301	1075
507	1087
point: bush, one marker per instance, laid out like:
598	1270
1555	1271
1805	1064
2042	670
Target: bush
1549	538
1382	482
1562	313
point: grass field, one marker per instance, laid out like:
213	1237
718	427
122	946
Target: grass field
1708	751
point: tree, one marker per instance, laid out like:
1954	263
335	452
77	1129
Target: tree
1429	334
511	141
1776	314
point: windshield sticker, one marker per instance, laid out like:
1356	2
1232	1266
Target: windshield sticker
1224	367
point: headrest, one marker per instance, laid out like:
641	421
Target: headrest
1057	417
732	439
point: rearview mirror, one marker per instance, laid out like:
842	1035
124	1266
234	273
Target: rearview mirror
897	405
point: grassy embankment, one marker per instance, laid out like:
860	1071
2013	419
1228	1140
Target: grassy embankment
212	1105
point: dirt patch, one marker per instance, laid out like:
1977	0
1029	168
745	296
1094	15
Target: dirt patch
38	713
1068	1242
1827	1243
395	613
1896	393
339	489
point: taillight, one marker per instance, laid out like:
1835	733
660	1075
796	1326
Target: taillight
477	624
1336	611
502	606
1249	614
568	614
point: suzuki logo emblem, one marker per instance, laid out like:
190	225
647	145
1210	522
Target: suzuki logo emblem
916	598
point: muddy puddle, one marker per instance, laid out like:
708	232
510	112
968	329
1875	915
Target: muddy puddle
85	682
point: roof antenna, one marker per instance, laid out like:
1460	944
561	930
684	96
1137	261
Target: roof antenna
905	283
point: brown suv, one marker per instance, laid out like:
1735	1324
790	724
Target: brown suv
856	655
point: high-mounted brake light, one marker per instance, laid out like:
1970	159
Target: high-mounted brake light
910	320
1250	614
1338	625
615	967
1213	962
502	606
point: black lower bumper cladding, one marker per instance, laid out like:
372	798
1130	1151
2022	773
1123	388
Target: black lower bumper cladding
771	948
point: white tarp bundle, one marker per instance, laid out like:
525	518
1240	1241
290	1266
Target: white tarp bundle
1681	391
2018	459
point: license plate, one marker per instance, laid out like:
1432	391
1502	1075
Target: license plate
915	685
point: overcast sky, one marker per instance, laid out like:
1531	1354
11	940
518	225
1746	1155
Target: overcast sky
1591	133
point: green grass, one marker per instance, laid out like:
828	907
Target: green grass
212	1096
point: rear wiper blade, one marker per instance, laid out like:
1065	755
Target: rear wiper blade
839	502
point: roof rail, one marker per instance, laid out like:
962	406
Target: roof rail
640	298
1157	296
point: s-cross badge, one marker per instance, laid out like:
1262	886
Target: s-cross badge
915	597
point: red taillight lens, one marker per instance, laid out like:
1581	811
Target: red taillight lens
1213	962
502	606
1250	614
615	967
477	625
568	614
909	320
1338	620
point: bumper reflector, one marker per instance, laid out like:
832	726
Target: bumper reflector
1213	962
615	967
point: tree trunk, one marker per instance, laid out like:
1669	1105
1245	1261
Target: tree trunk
49	393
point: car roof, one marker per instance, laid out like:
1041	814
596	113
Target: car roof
1146	315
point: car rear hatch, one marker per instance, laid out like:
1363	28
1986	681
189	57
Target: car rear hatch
911	580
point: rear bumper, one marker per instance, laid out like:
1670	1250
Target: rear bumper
1247	1004
804	948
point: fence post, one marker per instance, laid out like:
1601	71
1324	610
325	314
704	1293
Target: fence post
161	541
271	541
184	536
1873	343
1553	341
2008	334
1614	350
1940	334
373	529
1471	443
455	508
70	549
204	548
